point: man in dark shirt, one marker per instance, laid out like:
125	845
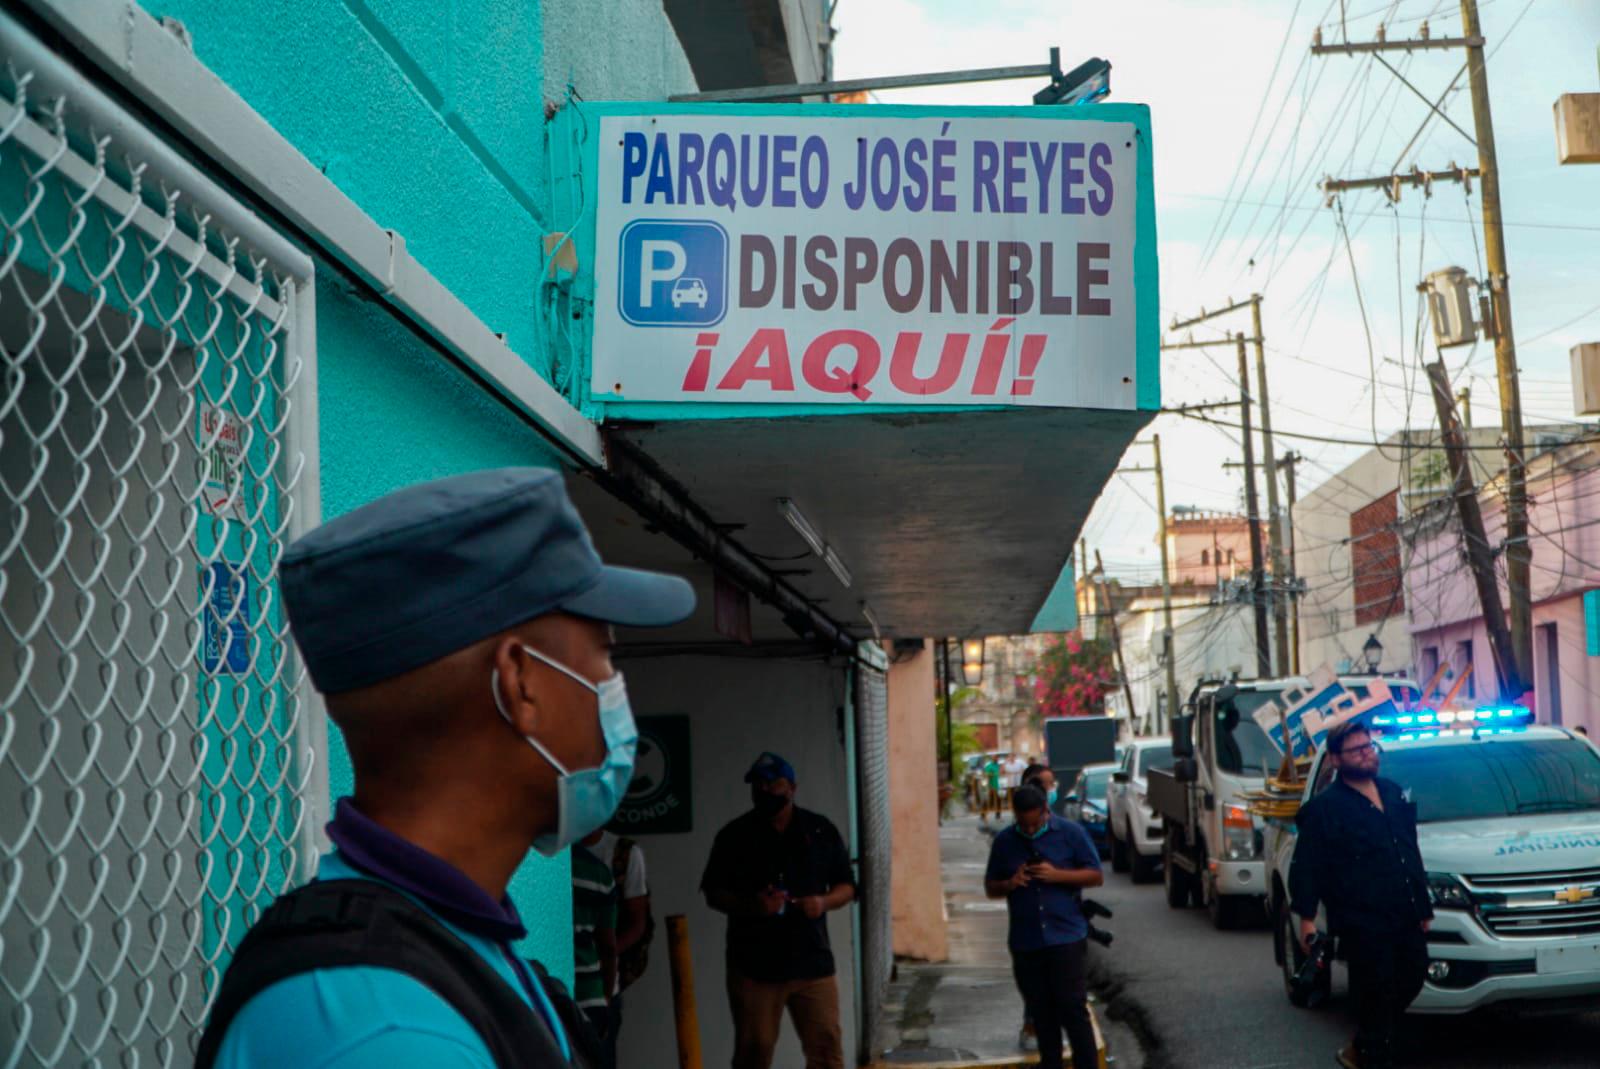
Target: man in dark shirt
1040	866
776	871
1357	855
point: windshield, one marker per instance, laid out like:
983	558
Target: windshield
1095	784
1496	778
1155	757
1242	747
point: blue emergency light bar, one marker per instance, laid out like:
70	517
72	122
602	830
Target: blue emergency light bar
1430	723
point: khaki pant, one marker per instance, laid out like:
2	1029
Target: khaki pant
758	1007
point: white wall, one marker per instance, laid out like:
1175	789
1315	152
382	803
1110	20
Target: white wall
737	708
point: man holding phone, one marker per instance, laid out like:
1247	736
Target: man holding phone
1040	866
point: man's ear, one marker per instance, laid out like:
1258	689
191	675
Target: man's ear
517	683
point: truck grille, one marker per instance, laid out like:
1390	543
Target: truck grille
1530	904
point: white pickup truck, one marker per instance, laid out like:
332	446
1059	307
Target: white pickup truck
1509	826
1212	848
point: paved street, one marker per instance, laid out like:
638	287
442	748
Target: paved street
1214	1000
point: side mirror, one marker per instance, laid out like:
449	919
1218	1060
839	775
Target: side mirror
1185	770
1183	735
1119	777
1224	694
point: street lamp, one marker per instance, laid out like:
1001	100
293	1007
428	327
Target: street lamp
1373	652
972	661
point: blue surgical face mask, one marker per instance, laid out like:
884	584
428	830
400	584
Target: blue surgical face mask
1040	830
586	799
1052	796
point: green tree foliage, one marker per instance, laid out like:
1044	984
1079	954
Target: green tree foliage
964	741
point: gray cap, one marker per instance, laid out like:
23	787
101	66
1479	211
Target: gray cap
430	569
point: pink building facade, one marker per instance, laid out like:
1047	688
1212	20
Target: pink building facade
1446	623
1208	548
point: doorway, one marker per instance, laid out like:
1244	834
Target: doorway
1551	692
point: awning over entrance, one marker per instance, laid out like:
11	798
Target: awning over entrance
947	523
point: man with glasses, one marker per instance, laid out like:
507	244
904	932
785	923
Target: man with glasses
1357	855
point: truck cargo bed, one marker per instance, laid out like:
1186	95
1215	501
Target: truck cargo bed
1168	797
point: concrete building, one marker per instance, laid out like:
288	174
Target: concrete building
272	261
1206	549
1446	622
1005	694
1213	640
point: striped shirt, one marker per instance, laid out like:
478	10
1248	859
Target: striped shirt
594	907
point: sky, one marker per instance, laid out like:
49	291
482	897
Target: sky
1246	122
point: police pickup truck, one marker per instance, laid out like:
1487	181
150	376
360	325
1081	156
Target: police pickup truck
1508	819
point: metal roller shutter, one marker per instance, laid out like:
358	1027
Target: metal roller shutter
872	772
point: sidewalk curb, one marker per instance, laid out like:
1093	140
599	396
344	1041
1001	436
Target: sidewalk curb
1020	1061
1121	1006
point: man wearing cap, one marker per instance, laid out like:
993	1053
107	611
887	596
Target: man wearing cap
460	630
776	871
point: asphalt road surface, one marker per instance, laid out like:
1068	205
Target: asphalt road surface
1215	1000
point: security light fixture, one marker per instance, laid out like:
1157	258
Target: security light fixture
1372	651
813	538
872	620
830	557
1083	84
802	526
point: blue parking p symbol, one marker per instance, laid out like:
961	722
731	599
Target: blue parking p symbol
672	274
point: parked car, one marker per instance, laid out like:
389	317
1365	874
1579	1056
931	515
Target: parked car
1086	803
1134	829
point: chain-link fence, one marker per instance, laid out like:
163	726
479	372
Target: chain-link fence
153	764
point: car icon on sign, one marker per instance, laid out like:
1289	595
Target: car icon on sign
689	291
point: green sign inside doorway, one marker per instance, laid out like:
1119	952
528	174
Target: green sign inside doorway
658	798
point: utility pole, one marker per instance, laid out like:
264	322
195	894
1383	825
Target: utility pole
1083	561
1518	552
1480	559
1168	649
949	713
1288	463
1278	592
1464	403
1116	640
1262	595
1253	517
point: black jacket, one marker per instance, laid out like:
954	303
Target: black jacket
1363	863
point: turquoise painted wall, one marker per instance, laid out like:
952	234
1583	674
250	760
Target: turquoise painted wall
393	413
429	115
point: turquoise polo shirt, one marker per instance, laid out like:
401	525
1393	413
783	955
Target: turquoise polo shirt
358	1017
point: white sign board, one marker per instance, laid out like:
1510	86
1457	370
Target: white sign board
947	258
222	461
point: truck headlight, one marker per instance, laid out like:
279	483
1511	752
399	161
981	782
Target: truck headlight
1445	891
1239	840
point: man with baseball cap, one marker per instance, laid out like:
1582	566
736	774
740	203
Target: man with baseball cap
776	871
461	630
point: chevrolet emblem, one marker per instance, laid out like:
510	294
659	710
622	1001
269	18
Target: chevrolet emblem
1574	895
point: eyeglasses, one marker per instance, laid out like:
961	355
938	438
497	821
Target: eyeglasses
1365	747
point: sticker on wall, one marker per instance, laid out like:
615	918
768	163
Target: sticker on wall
658	798
222	463
225	644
